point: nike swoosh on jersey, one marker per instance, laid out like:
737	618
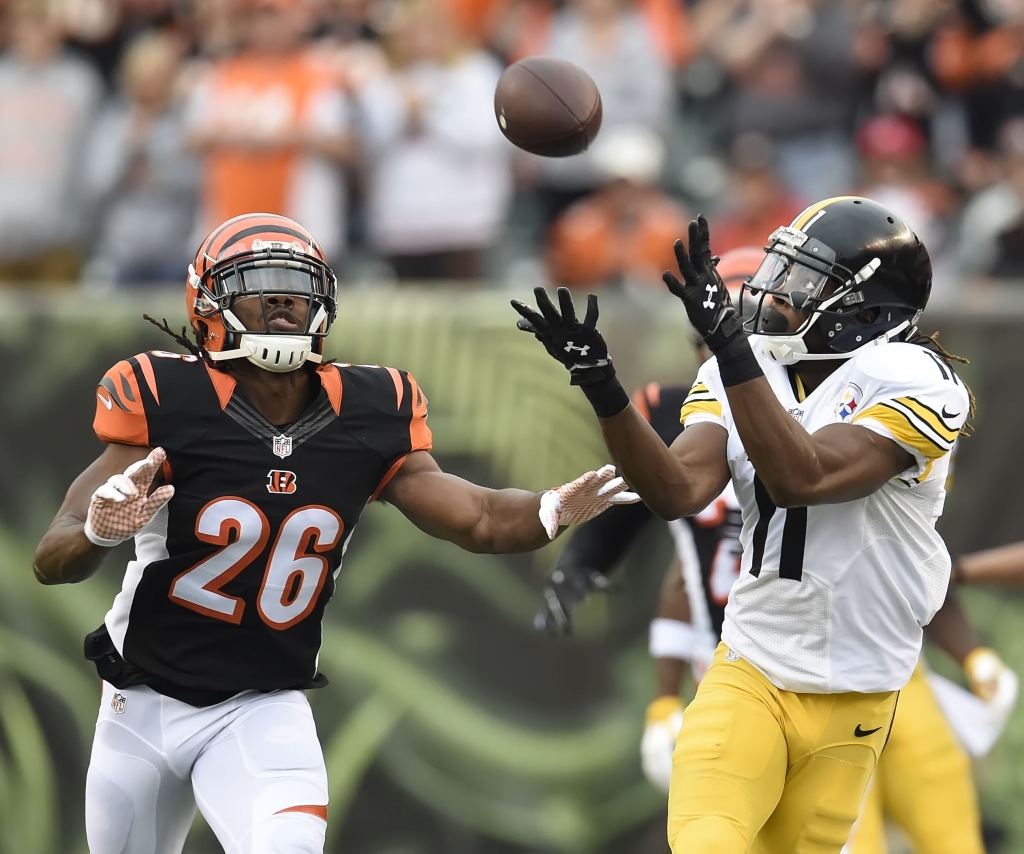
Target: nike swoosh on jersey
949	414
861	733
106	401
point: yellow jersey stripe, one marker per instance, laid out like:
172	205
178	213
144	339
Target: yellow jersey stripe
944	438
692	407
903	429
808	214
930	417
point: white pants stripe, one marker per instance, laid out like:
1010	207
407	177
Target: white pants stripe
247	763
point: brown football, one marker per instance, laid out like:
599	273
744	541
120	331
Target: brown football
547	106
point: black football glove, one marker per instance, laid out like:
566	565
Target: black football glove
578	346
563	591
702	290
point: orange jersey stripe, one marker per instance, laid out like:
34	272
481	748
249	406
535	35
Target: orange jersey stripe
399	387
419	433
147	372
384	481
310	809
223	384
330	376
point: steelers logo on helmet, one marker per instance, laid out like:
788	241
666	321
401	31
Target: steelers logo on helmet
847	268
260	289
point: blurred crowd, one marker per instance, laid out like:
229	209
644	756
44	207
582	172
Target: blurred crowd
130	128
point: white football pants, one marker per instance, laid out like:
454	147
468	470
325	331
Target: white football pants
252	764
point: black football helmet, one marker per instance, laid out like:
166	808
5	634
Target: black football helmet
849	265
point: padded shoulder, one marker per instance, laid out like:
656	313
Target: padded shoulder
158	398
903	363
385	408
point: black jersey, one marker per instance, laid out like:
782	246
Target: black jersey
713	535
230	580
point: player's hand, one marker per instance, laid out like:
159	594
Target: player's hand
582	499
564	590
121	507
702	290
578	346
663	721
991	680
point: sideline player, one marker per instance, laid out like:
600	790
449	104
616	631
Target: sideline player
924	780
834	421
267	457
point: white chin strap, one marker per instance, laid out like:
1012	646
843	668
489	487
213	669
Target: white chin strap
790	349
276	353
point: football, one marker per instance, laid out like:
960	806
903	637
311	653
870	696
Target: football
547	106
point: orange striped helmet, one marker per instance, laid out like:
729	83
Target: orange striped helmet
260	254
737	265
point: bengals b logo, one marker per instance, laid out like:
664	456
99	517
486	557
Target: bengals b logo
281	481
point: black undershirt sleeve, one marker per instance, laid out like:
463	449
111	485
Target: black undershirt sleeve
601	543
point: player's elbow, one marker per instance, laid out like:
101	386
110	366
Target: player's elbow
44	572
667	507
791	494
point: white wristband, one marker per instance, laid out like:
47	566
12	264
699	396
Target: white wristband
673	639
96	539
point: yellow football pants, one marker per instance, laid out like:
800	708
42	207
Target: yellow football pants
923	782
760	769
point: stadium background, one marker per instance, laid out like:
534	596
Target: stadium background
449	724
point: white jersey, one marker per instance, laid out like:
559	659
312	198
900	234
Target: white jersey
832	598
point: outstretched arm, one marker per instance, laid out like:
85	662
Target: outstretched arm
1002	565
496	521
840	462
65	554
673	482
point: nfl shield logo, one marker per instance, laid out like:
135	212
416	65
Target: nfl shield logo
118	703
282	446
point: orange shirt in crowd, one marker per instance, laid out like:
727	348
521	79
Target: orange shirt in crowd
600	239
739	229
256	97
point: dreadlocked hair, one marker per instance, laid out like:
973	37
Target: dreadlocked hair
931	343
182	339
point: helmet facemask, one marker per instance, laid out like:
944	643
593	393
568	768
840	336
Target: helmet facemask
270	268
802	272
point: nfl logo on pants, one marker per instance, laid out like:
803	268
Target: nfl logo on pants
282	446
118	703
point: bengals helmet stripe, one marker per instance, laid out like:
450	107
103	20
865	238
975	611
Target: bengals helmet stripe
220	228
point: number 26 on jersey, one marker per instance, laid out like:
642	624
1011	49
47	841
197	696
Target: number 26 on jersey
293	578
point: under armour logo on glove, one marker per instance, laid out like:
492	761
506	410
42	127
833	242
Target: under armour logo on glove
121	507
563	336
713	315
582	499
